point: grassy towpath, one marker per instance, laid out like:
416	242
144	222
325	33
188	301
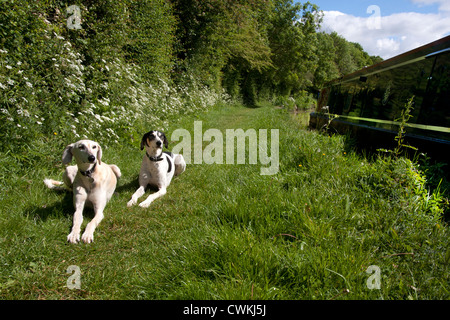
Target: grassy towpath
224	231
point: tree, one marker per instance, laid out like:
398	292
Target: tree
293	42
327	68
213	33
338	57
151	37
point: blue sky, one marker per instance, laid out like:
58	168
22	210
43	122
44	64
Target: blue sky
387	27
388	7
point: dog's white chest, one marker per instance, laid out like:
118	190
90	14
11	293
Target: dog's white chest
154	172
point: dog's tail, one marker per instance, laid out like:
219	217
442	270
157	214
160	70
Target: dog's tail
55	185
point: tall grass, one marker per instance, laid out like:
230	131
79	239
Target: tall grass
226	232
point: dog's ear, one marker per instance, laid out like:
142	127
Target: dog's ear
166	142
99	154
144	140
67	154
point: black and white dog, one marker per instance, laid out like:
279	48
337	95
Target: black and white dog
157	169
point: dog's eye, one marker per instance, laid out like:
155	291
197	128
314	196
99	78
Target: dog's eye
94	147
81	147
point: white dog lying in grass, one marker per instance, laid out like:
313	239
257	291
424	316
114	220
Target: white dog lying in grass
93	183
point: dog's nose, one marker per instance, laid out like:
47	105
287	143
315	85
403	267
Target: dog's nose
158	143
91	158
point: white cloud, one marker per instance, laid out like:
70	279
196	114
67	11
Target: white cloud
388	36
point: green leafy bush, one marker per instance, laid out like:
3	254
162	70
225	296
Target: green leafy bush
107	81
401	181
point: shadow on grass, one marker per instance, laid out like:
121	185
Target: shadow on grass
132	186
63	208
129	186
252	105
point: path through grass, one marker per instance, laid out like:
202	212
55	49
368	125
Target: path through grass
227	232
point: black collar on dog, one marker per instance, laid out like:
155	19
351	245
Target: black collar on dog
154	159
88	173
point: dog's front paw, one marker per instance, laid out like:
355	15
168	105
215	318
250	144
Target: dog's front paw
145	204
131	203
73	237
87	237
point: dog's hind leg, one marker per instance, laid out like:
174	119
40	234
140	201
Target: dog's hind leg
69	175
180	164
116	170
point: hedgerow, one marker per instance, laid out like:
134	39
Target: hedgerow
59	84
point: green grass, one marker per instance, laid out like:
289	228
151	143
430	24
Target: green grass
226	232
